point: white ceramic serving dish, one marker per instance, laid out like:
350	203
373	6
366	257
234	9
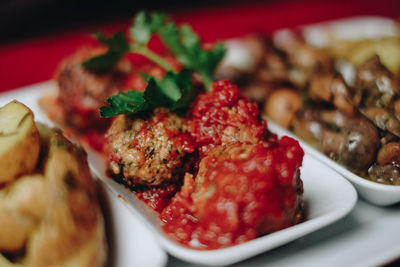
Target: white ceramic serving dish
328	197
352	29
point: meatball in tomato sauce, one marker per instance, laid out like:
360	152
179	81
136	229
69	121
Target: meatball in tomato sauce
148	149
224	116
82	92
240	192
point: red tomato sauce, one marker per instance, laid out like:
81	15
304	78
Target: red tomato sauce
223	116
238	198
158	198
95	140
244	183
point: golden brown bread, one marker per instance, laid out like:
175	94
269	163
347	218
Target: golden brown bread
51	216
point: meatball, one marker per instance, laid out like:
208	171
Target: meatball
241	191
82	93
148	150
223	116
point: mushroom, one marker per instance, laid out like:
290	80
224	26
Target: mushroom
307	126
382	119
386	174
304	59
396	108
282	105
257	91
302	55
389	154
375	85
393	126
331	88
274	67
351	141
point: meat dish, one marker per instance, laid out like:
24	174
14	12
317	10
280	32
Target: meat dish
194	150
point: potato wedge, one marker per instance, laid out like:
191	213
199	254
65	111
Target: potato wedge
19	141
49	210
22	204
74	229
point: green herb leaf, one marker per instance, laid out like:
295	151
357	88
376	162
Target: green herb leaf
188	94
141	32
129	102
181	41
174	91
117	47
145	26
186	46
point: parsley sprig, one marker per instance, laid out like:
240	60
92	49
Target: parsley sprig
182	41
186	46
175	90
117	47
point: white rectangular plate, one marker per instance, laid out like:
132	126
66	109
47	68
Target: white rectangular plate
328	197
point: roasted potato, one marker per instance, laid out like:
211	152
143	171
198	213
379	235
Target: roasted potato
21	205
50	216
74	213
19	141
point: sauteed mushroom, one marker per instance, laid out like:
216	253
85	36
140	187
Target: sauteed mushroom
375	85
396	108
258	91
282	105
351	141
331	88
389	154
307	126
386	174
304	60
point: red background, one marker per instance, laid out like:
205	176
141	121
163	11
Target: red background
34	60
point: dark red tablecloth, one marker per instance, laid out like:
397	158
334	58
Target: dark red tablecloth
34	60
